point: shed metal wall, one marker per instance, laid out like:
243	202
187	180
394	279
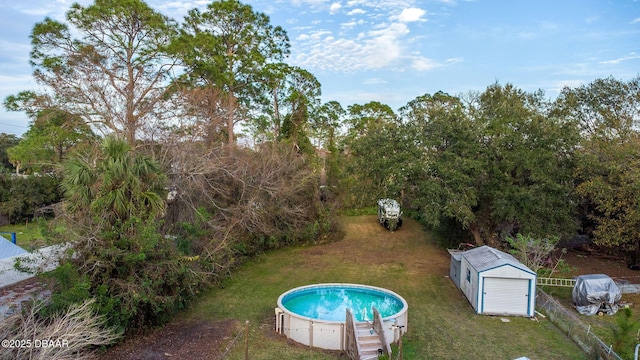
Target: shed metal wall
506	289
454	269
469	282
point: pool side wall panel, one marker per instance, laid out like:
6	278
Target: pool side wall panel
330	334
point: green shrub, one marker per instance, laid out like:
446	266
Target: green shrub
22	197
136	281
624	333
121	258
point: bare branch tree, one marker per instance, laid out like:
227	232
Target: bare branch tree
114	73
74	334
252	201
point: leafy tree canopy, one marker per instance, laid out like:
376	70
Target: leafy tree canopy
113	184
7	141
228	46
607	173
51	136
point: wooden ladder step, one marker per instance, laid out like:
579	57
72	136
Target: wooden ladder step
369	341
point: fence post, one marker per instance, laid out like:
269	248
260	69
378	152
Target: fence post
13	236
246	341
400	344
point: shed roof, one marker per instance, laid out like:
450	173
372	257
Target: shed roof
9	249
485	258
455	254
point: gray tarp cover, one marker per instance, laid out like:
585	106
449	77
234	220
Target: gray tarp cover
594	293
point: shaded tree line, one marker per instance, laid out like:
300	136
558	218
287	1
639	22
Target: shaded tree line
494	164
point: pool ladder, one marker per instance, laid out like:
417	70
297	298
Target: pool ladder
365	340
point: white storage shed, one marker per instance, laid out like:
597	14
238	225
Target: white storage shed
496	283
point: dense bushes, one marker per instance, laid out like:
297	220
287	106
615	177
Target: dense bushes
142	260
114	199
21	197
230	207
137	280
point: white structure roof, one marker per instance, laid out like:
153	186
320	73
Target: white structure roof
9	249
486	258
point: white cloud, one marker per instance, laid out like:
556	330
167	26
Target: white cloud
15	51
421	63
375	81
557	86
546	25
411	15
312	3
526	35
375	49
10	81
356	12
335	7
635	21
385	45
351	24
631	56
454	60
313	36
178	9
353	3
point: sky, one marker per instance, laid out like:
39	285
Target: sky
393	51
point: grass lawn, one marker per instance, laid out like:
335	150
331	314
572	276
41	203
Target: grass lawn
602	326
28	236
442	324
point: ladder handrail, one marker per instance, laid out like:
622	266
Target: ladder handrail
378	326
352	345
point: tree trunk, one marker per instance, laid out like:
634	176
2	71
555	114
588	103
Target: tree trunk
492	240
477	235
276	115
231	104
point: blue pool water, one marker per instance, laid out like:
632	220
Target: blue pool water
330	303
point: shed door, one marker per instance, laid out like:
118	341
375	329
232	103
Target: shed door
506	296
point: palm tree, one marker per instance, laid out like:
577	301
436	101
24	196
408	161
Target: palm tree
114	198
113	184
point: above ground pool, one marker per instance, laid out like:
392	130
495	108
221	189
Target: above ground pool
314	315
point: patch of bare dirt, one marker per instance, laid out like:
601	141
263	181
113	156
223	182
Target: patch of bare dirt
192	340
582	262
